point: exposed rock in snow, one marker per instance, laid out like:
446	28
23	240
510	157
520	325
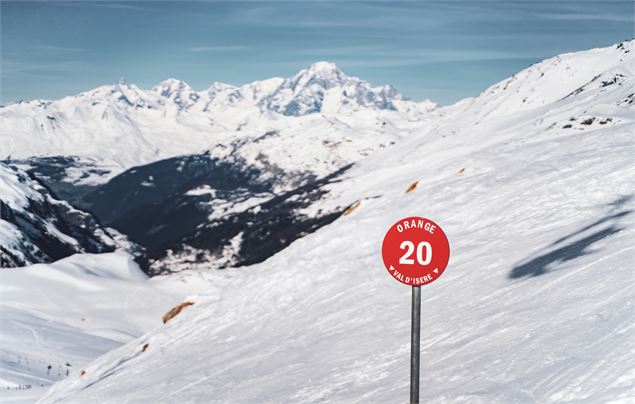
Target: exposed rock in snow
37	227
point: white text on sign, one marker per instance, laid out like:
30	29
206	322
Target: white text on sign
410	247
416	224
414	281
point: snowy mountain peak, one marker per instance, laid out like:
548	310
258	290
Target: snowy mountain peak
218	87
323	66
321	74
127	95
178	91
167	88
328	73
626	46
323	87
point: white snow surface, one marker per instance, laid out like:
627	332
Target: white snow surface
536	305
16	190
66	313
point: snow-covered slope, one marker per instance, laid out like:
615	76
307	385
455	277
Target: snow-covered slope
56	317
553	79
316	121
535	306
37	227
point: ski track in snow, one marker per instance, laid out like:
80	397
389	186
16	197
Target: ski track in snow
69	312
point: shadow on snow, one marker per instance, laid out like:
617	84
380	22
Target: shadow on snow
575	247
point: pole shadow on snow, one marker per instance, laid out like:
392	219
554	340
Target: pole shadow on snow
571	246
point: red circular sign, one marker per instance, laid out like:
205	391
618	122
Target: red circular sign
415	251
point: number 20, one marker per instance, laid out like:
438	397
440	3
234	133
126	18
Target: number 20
409	245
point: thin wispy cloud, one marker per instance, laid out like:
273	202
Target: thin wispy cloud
220	48
387	56
121	6
56	48
16	68
115	5
333	14
588	17
402	60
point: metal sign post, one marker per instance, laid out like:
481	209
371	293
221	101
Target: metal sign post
415	339
415	252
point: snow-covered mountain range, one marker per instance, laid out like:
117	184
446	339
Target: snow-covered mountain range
314	122
531	181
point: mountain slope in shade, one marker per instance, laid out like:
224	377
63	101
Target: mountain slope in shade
535	306
37	227
198	211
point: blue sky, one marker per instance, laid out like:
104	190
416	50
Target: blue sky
442	50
